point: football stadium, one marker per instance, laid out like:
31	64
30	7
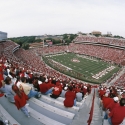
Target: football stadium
77	84
82	67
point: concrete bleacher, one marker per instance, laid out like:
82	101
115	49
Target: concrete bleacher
49	111
56	102
105	122
61	99
42	113
6	116
43	119
52	108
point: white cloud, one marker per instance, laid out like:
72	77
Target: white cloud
36	17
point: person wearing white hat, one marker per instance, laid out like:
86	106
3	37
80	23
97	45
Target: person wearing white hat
111	106
117	115
45	87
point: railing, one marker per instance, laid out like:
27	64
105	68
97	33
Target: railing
92	109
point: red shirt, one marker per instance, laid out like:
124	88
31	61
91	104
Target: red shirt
44	87
77	90
57	90
112	105
107	101
69	99
20	101
84	91
21	74
101	93
117	115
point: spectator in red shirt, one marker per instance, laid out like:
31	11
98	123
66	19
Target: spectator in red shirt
20	100
56	91
70	98
117	115
45	88
84	90
101	93
106	100
111	106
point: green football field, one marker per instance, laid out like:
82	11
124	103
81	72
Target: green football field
86	66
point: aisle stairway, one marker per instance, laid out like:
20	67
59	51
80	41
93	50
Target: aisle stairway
97	113
83	115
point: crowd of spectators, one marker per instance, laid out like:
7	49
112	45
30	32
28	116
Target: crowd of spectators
22	67
121	81
14	82
50	50
113	55
102	40
113	103
105	53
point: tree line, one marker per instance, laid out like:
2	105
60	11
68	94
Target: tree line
24	41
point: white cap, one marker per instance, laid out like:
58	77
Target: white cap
85	87
115	99
46	80
65	88
39	82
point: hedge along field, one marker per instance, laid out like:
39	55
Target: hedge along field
87	67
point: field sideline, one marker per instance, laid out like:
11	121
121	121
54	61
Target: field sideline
85	66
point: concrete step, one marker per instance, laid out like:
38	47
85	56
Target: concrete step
6	116
43	119
56	102
53	109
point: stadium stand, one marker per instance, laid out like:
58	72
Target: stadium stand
46	110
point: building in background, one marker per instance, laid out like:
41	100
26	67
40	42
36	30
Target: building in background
3	36
36	45
96	33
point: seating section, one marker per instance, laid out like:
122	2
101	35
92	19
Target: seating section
121	81
43	119
107	53
6	116
47	110
52	108
102	40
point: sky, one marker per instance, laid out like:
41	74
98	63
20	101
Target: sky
55	17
